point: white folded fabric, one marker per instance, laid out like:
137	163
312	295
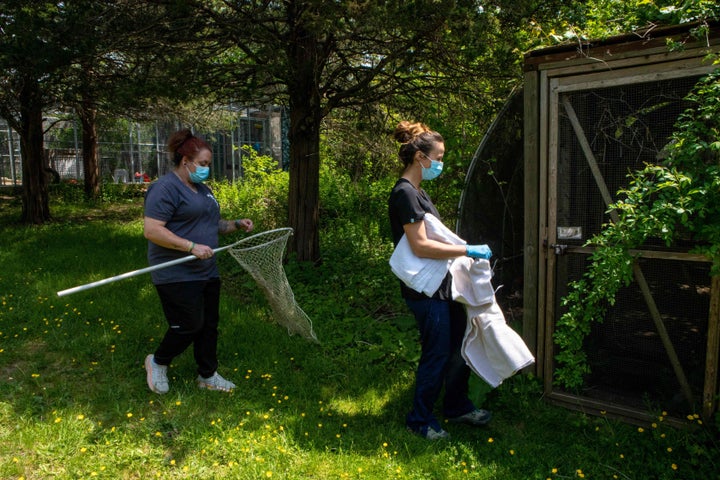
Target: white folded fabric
471	283
491	348
423	274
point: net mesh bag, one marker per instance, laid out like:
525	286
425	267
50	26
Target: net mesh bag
261	256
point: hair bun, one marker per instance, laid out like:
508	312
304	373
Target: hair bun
406	131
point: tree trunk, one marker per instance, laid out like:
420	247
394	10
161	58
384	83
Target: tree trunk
35	195
304	191
305	117
91	165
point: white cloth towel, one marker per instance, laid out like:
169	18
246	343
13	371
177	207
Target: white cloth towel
491	348
471	283
423	274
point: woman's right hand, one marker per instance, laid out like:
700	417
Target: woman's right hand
202	251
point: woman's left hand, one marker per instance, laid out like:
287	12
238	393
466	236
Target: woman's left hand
244	224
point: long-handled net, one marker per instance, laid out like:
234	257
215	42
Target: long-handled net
261	255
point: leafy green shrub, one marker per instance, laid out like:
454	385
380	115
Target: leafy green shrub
260	195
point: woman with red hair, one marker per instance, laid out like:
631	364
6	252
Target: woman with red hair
182	217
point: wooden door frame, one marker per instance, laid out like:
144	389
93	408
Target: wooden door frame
551	85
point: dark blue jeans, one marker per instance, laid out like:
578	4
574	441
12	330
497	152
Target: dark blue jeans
442	327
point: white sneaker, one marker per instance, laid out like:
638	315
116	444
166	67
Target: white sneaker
156	375
216	382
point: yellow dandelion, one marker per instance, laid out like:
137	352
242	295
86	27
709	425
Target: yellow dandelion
674	466
490	440
58	420
641	430
80	416
512	452
268	474
129	415
669	449
554	471
178	403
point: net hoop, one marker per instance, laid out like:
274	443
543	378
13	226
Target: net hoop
261	255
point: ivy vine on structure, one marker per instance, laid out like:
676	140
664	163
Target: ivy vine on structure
678	198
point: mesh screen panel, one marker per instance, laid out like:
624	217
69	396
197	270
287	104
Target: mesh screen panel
629	364
628	126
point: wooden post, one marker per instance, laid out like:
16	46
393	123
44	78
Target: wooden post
713	348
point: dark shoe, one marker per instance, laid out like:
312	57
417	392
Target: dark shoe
476	418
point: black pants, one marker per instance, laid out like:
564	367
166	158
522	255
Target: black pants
192	312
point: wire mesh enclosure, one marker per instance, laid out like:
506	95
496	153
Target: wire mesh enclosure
591	118
492	200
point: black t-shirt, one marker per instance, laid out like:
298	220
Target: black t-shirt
409	205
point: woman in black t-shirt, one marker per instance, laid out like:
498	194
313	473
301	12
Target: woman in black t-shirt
441	321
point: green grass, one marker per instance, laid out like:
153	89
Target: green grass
74	402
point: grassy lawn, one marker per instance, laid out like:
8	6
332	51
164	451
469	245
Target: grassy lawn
74	402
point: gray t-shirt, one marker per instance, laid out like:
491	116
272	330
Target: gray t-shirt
190	215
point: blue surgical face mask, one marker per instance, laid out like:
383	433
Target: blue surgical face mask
433	171
200	174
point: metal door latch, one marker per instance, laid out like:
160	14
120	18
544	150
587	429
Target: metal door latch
559	248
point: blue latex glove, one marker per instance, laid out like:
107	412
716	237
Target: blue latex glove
478	251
